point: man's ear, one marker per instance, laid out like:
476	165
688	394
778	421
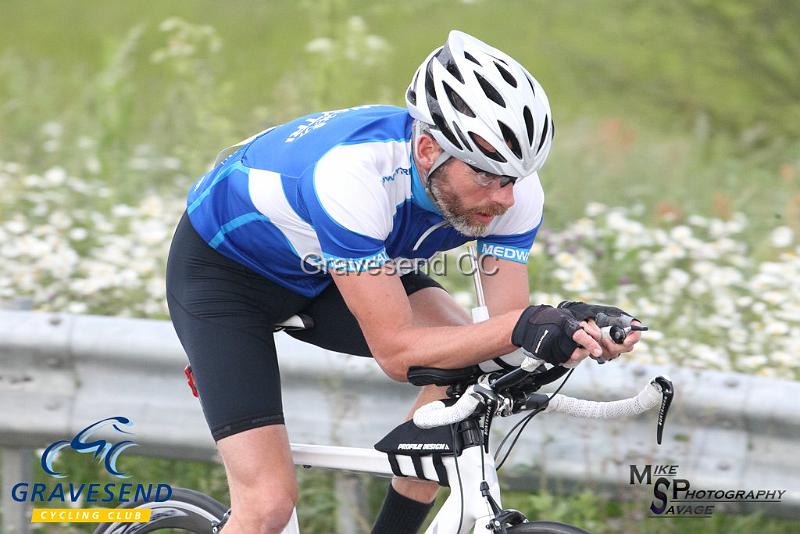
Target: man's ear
427	150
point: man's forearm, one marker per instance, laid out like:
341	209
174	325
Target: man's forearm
447	347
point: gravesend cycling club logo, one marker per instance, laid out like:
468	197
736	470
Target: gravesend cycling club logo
674	497
103	451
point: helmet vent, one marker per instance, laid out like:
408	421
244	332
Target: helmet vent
452	68
510	138
442	125
463	138
491	93
445	57
430	88
530	82
471	58
497	156
506	75
501	60
411	96
526	113
544	135
457	101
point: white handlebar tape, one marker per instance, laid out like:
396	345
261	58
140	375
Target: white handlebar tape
437	414
649	397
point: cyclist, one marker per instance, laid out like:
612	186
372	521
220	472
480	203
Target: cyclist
315	216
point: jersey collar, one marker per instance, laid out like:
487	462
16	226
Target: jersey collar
419	195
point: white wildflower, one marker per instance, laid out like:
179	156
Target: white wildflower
356	24
565	260
33	180
753	362
773	297
60	220
697	220
681	233
92	164
677	278
51	145
122	210
582	279
782	237
151	206
320	45
151	231
593	209
55	176
78	234
77	307
52	129
776	328
698	287
16	226
86	143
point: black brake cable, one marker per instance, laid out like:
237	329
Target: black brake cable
524	422
458	473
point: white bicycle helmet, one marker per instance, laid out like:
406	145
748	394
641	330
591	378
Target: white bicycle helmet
467	88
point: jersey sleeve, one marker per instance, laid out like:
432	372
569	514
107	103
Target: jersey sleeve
349	210
511	236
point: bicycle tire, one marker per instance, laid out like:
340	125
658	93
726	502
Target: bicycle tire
545	527
187	510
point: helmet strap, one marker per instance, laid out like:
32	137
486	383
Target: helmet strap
438	162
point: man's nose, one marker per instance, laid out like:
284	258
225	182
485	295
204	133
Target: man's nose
503	195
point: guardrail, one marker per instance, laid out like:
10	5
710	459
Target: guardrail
59	373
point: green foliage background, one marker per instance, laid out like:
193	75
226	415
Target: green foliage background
689	103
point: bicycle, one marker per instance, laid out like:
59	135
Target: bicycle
446	441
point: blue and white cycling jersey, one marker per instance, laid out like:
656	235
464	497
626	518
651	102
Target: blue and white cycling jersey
338	189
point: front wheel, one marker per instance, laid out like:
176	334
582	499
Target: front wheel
186	511
545	527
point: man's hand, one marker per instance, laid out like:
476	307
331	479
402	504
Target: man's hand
553	335
586	314
611	350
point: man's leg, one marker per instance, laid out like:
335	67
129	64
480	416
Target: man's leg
263	487
223	314
410	499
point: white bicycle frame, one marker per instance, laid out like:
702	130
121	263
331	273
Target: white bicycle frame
476	511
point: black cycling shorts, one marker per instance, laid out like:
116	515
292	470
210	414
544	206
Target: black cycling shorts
223	313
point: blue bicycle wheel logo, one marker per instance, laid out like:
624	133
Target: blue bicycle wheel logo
104	451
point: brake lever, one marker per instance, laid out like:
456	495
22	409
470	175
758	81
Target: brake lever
667	392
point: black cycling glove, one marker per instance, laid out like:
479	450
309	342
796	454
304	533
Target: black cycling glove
608	315
546	332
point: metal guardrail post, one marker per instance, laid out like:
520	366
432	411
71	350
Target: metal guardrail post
16	468
16	465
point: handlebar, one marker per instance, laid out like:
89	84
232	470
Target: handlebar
647	398
437	413
659	389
